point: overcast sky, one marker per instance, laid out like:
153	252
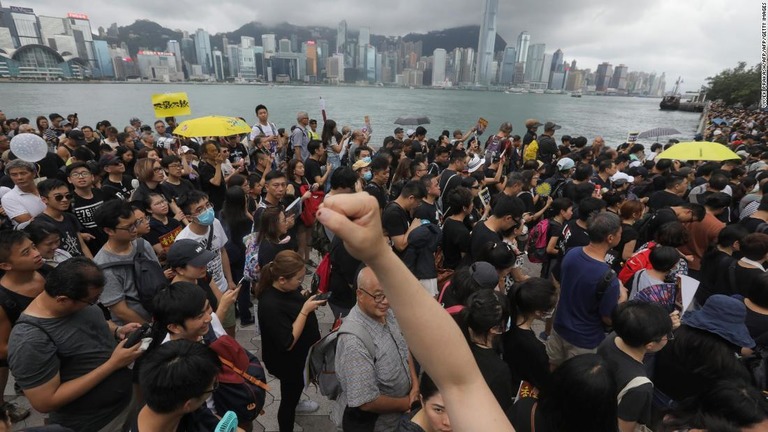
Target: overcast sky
689	38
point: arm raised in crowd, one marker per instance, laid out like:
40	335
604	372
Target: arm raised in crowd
431	333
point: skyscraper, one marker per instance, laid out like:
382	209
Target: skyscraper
174	47
508	65
534	63
268	41
619	80
487	42
203	50
523	41
438	67
603	76
341	36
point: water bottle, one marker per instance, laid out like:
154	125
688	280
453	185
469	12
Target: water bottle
256	317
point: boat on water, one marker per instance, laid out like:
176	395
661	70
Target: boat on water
516	90
536	91
694	102
576	94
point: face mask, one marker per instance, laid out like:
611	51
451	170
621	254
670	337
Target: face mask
367	176
206	218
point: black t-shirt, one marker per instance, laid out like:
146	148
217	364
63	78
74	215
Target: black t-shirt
449	179
377	192
312	170
237	153
343	273
526	357
662	198
456	241
84	209
395	220
554	229
69	228
520	416
757	324
660	218
628	234
527	198
496	374
277	312
165	234
427	211
714	275
481	235
173	191
572	236
268	250
215	193
113	190
751	223
604	184
636	404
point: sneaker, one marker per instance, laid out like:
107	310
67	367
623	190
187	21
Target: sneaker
15	412
307	406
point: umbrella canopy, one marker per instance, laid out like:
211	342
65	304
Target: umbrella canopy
719	121
698	150
216	126
658	132
412	120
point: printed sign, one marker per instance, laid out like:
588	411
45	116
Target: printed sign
171	104
632	137
481	125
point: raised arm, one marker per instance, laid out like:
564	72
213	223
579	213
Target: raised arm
432	335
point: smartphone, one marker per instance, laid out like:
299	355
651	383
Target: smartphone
137	335
323	296
241	282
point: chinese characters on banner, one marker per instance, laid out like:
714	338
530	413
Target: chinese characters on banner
171	104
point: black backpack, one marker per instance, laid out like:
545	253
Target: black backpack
643	227
147	275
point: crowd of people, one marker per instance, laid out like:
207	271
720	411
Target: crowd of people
444	255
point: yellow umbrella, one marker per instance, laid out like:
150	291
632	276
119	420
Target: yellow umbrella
698	150
215	126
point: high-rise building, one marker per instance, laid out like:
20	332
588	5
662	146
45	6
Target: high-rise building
364	38
158	66
311	54
603	76
523	41
334	68
341	37
534	62
105	68
218	64
575	80
284	46
487	43
174	47
508	65
438	67
546	68
247	42
23	26
619	79
203	51
269	42
468	66
188	52
370	64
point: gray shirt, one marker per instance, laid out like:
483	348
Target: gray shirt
362	379
300	138
119	281
70	346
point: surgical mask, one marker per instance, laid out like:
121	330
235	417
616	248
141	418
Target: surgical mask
367	176
206	218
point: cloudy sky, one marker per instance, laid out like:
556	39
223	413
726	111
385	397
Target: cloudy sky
689	38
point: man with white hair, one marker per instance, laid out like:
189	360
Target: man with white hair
299	137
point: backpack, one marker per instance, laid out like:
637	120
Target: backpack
320	367
442	192
452	310
640	260
320	241
322	275
558	190
147	275
251	269
310	206
643	227
537	242
240	391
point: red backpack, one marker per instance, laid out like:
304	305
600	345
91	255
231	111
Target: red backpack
640	260
311	204
322	275
537	242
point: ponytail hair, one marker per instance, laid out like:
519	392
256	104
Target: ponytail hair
286	264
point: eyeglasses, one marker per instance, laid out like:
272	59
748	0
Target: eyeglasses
378	298
198	211
132	227
174	165
82	174
157	169
60	197
214	388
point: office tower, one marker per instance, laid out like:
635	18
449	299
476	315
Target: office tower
619	79
438	67
603	76
364	38
174	47
341	37
269	42
203	51
534	63
285	46
523	41
508	66
311	58
218	64
487	42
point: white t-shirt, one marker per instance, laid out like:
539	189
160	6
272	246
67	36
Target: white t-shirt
258	129
215	324
216	266
16	203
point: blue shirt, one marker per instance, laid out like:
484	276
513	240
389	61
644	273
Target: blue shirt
579	311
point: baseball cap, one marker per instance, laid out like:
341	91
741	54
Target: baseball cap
565	164
185	149
108	160
134	120
77	136
410	132
362	163
474	164
622	176
188	252
484	274
65	123
551	126
398	130
532	123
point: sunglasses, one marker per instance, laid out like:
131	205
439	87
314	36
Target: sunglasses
60	197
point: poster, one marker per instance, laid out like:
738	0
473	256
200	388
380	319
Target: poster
481	125
171	104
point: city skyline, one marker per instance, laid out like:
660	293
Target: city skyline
693	39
